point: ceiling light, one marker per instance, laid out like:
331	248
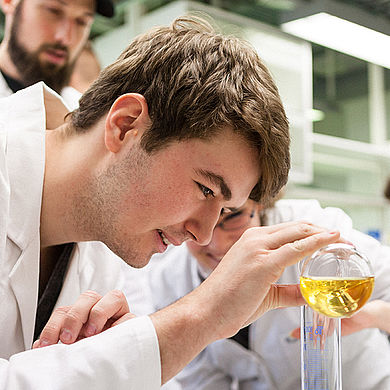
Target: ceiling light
342	28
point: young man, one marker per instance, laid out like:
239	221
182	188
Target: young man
183	127
264	355
43	39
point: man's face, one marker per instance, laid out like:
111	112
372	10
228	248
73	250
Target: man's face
46	38
228	230
174	194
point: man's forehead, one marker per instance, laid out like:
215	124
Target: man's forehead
88	7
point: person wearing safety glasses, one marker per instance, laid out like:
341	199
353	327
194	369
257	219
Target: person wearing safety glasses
265	355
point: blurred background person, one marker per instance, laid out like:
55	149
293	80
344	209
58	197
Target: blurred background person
265	355
43	39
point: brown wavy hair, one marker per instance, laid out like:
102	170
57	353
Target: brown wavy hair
196	82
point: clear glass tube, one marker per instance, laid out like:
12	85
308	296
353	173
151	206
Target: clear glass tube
320	351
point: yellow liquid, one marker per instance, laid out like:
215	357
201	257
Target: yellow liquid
336	297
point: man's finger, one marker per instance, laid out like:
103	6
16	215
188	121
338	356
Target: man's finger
124	318
292	252
296	333
291	234
51	332
281	226
287	295
112	306
77	316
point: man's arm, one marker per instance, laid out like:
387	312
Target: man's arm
122	358
239	291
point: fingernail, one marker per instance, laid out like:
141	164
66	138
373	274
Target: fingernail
91	330
65	336
43	343
333	232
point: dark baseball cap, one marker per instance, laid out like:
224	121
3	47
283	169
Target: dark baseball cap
105	8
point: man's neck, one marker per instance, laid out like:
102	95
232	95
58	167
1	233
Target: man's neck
72	163
6	64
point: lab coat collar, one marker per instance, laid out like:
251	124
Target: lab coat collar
30	112
5	90
27	115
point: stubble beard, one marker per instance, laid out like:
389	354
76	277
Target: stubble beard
28	64
99	205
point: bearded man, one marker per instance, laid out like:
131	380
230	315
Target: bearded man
43	39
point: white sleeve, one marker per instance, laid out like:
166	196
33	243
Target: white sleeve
124	357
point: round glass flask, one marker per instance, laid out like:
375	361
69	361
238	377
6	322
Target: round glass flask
336	281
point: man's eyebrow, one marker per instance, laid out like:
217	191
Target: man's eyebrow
86	13
217	180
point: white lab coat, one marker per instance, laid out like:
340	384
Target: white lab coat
125	357
69	94
273	361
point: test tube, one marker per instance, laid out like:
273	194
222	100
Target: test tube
320	351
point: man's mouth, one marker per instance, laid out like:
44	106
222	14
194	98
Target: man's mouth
57	56
164	239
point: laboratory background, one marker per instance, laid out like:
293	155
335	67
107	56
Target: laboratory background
334	80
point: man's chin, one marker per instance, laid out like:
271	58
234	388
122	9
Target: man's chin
52	67
130	254
136	265
138	262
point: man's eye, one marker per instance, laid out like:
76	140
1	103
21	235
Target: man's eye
233	215
205	190
81	22
226	212
53	11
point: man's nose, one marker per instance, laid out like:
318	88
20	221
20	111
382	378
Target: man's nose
201	225
65	32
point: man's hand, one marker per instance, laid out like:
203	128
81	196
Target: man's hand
374	314
256	262
91	314
239	290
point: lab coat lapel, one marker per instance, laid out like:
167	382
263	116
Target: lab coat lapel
24	283
26	163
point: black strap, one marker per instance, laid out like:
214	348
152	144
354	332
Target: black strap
14	85
242	337
52	291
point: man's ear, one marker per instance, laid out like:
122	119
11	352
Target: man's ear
127	119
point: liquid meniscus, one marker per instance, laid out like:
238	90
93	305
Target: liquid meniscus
336	297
